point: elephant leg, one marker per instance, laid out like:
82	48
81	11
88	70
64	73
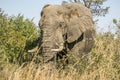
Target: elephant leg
89	42
78	49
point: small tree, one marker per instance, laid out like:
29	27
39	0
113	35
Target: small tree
117	25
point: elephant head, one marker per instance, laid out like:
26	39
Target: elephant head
65	27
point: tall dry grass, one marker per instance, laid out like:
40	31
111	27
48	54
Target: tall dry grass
104	65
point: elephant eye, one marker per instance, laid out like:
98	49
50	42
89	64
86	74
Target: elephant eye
62	24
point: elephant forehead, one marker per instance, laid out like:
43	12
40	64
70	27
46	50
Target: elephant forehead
80	8
52	10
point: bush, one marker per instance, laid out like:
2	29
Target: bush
16	37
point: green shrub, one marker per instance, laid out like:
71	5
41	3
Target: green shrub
16	37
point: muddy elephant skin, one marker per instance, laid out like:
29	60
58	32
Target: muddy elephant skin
66	27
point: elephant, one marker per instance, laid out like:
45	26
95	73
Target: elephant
65	28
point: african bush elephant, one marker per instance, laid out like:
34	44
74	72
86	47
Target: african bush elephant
67	27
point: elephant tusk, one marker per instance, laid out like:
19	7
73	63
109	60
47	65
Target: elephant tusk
33	50
58	50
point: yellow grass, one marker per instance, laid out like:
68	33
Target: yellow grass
104	65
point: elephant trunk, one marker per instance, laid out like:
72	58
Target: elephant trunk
52	42
47	43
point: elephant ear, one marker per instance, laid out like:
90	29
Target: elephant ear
77	26
79	21
74	31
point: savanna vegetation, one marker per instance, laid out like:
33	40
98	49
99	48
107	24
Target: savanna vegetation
18	35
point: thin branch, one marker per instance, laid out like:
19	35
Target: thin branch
85	3
89	4
75	0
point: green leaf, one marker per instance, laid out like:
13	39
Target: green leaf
114	21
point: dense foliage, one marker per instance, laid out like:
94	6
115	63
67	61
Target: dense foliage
16	37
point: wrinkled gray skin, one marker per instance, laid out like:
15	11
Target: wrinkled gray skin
66	27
